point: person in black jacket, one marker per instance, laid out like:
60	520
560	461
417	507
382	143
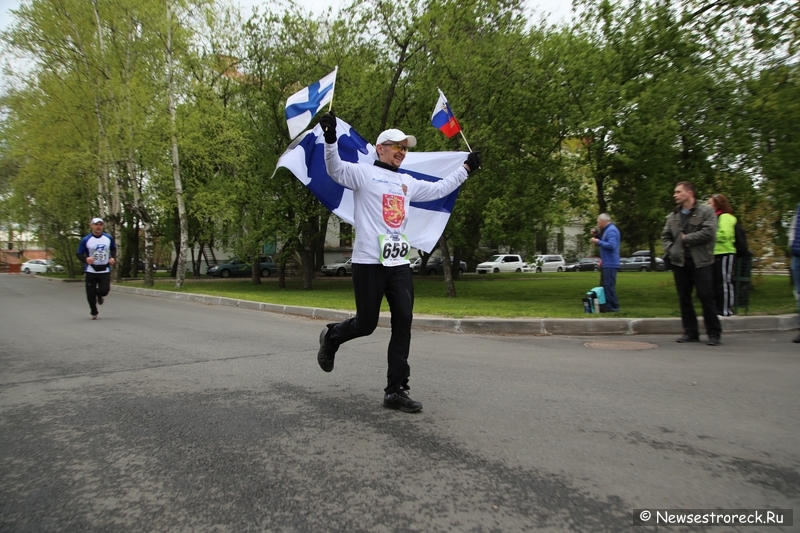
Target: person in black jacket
794	243
688	238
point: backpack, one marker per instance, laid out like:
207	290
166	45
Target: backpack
599	293
740	242
594	300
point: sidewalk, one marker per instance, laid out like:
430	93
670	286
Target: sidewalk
500	326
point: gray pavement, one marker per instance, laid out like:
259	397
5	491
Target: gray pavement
168	415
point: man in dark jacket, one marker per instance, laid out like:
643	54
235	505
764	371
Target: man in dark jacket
794	243
688	239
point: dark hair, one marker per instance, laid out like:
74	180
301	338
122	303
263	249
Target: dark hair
721	203
688	186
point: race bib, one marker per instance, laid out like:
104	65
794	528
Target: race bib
100	256
394	249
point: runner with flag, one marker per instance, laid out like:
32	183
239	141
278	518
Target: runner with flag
305	158
381	195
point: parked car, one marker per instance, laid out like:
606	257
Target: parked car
547	263
639	263
39	266
435	265
585	264
502	263
638	253
237	267
341	267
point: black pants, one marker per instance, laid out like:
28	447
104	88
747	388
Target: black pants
96	285
370	284
687	278
723	283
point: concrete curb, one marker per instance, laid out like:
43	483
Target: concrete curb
497	326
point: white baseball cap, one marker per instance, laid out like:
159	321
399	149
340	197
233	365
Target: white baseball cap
396	136
97	221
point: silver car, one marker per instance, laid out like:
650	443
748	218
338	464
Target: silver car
341	267
639	263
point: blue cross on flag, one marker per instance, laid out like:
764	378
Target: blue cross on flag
305	158
304	104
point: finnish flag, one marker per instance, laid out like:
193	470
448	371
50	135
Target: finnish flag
305	158
305	103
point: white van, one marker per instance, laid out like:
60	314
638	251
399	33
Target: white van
548	263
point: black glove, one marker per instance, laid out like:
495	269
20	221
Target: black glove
328	124
474	161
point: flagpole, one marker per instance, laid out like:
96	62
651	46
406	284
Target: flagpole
465	139
336	71
460	129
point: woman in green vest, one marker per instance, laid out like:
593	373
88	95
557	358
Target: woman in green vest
724	254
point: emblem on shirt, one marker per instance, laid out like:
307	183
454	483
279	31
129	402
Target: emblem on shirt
394	210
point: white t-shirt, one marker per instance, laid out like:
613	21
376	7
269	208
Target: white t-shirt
380	200
99	249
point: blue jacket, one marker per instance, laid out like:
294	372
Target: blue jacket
795	244
609	246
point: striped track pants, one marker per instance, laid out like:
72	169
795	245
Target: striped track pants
723	283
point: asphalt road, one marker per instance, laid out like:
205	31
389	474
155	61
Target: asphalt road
176	416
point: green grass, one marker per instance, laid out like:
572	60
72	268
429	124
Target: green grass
164	274
547	295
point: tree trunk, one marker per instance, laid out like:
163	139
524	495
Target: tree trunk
281	259
149	249
180	275
447	268
195	262
134	185
423	263
599	180
255	268
306	256
458	255
282	275
319	244
174	267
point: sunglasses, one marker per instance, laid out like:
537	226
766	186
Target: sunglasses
397	147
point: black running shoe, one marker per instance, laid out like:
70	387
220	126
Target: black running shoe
713	341
99	300
400	400
688	338
325	354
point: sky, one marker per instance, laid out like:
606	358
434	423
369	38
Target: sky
558	10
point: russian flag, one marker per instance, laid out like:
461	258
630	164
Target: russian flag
305	158
443	118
